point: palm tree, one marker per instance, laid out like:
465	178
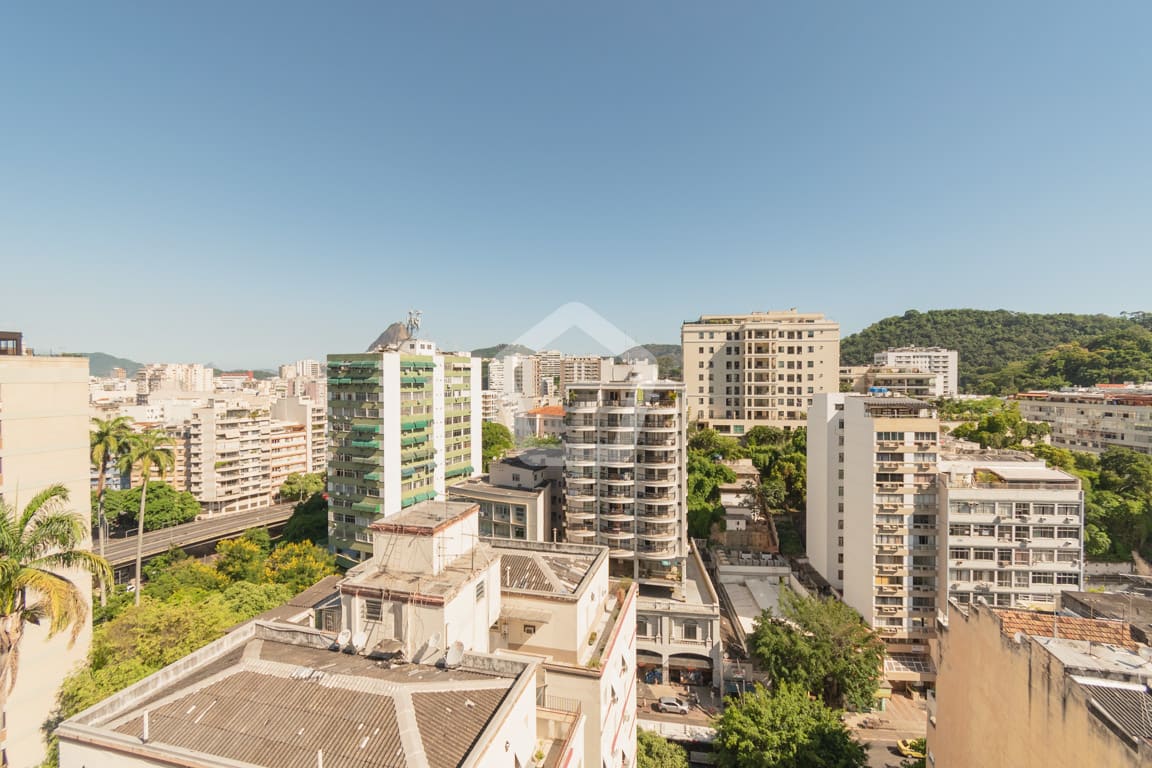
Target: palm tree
150	450
35	546
109	439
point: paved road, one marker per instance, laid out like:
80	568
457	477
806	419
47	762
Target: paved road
881	748
122	551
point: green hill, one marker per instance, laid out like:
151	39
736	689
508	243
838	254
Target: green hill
101	364
499	350
668	358
999	343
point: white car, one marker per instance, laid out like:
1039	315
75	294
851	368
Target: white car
672	704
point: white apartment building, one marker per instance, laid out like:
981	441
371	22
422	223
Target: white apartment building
403	424
229	454
303	369
1014	530
872	518
1093	420
44	427
945	362
429	584
519	514
313	415
624	472
762	368
559	605
574	368
174	377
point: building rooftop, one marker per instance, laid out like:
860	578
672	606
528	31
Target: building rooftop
1072	628
1127	706
374	577
273	695
1098	657
482	487
550	569
547	410
426	517
904	403
1135	609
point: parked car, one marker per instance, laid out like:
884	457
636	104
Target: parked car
910	748
672	704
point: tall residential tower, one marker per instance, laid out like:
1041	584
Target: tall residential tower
763	368
403	424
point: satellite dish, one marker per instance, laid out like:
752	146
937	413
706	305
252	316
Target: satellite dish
343	638
359	640
430	648
455	655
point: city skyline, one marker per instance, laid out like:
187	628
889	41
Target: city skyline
193	183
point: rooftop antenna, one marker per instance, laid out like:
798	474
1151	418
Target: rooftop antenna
413	323
145	733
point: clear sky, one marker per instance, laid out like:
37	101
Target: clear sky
253	182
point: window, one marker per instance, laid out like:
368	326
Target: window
529	629
642	626
690	631
372	610
480	590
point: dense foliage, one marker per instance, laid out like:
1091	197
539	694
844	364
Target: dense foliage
309	521
780	457
784	728
655	751
821	645
186	604
988	341
163	507
496	440
1001	427
297	486
1117	499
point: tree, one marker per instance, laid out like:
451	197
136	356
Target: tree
108	440
763	497
297	486
165	506
823	645
784	728
918	745
496	440
35	545
299	565
309	520
240	559
148	451
655	751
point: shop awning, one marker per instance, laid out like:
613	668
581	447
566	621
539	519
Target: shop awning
688	662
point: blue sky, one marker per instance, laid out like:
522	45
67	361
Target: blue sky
248	183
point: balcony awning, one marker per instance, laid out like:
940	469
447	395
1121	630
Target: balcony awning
682	661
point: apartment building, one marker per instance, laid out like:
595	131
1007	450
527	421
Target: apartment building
1012	530
945	362
229	452
1040	689
545	421
312	415
624	472
900	381
519	514
762	368
404	423
1093	420
44	422
574	368
158	378
560	606
872	516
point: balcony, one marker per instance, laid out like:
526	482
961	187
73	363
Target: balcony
656	553
657	534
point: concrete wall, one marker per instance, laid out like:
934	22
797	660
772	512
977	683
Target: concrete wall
1003	702
44	422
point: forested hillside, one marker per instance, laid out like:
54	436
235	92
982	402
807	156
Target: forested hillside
1001	351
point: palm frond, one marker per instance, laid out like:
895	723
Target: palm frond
48	499
60	600
56	531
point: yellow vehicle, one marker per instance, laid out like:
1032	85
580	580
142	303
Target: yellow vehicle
909	748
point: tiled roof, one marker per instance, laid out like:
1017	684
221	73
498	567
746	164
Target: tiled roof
1066	627
547	410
